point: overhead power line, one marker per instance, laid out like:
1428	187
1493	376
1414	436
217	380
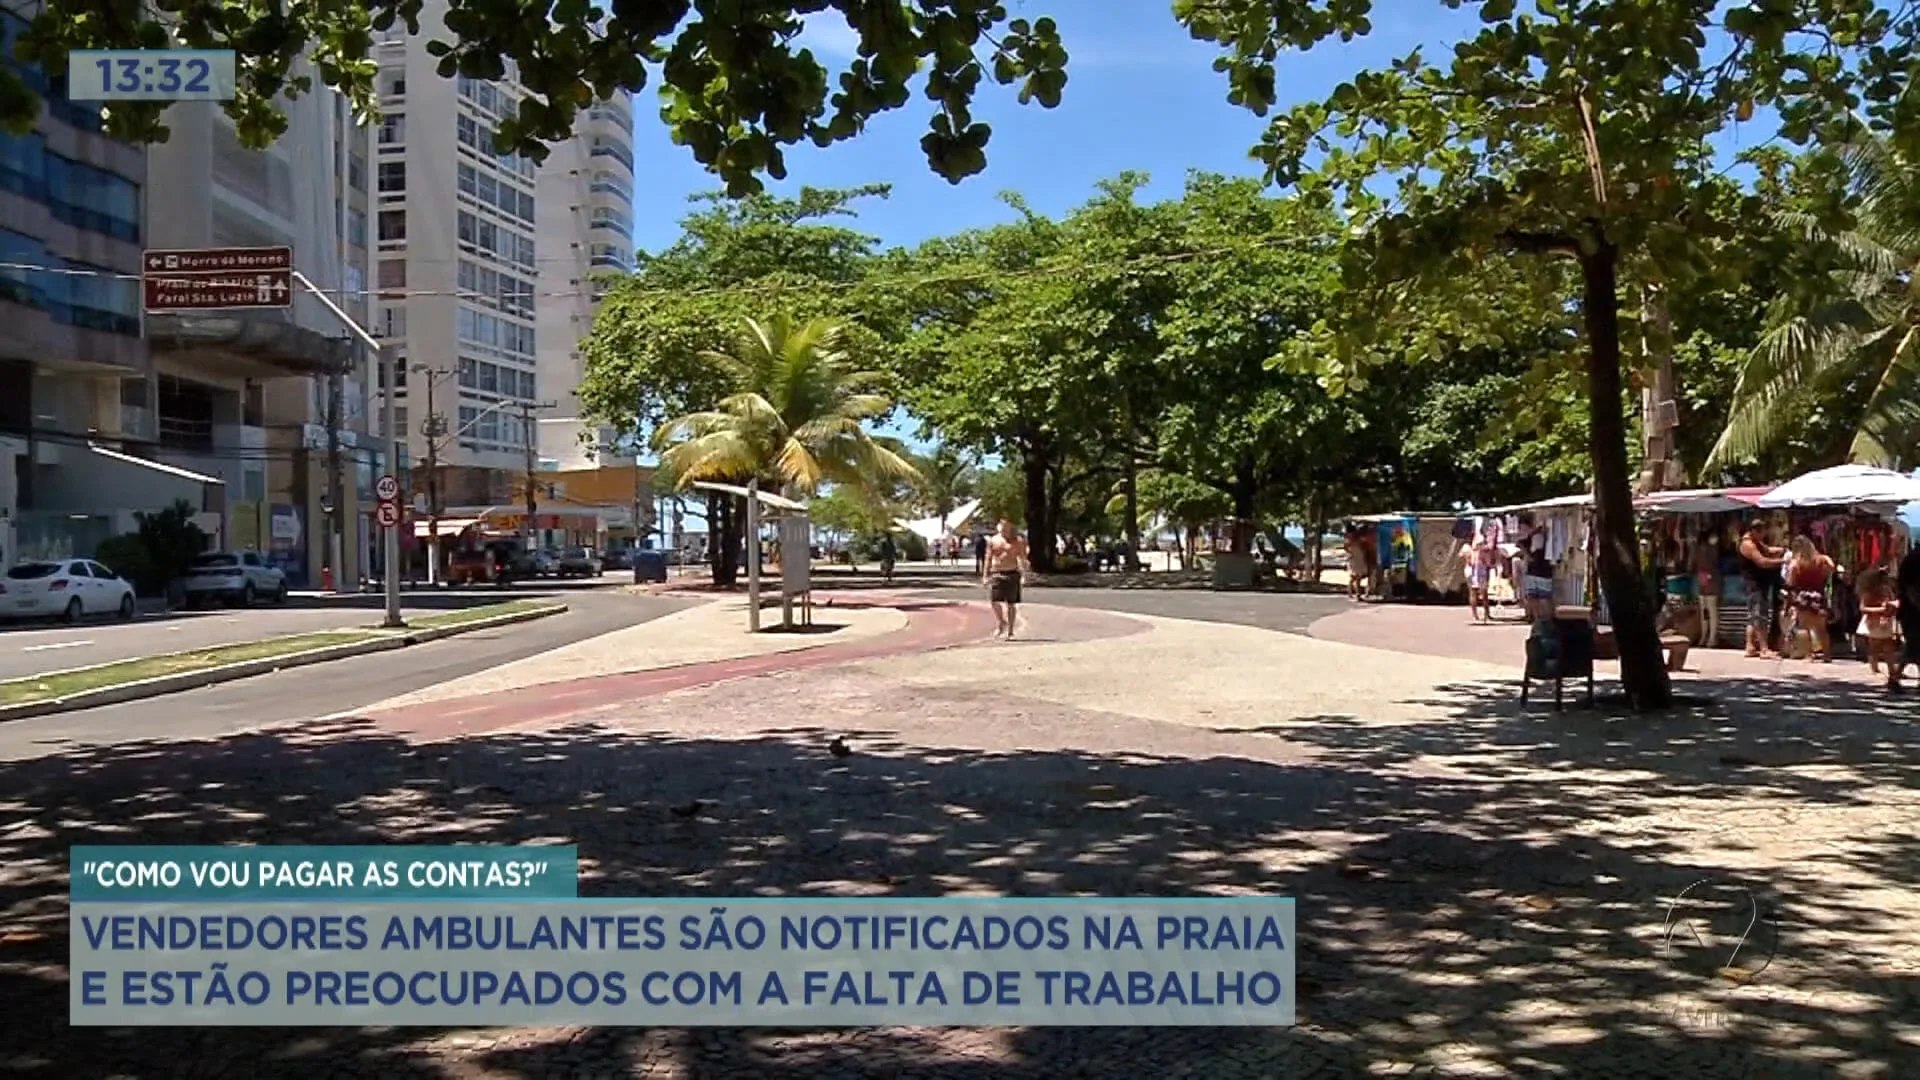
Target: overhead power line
1057	267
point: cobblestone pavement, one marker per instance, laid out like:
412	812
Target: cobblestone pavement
1483	892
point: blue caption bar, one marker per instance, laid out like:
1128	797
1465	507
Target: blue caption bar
754	962
303	872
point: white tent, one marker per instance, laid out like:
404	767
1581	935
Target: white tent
1845	485
933	528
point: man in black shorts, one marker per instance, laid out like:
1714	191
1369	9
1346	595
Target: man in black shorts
1006	567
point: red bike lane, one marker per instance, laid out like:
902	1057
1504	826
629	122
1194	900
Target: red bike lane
930	625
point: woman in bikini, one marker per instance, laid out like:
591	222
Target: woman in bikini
1808	572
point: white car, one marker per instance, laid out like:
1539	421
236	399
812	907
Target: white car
239	578
69	590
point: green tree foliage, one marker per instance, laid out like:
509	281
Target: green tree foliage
646	356
945	479
1575	130
736	80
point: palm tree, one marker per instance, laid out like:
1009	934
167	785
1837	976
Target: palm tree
795	419
947	479
1854	347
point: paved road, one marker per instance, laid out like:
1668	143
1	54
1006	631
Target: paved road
35	648
324	689
1288	612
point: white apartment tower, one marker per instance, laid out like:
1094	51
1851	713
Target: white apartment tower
482	262
585	199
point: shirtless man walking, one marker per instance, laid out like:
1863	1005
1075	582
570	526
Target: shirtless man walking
1006	568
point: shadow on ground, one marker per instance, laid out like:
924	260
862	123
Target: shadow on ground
1452	922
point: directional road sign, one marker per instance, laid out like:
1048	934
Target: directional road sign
386	488
204	279
388	515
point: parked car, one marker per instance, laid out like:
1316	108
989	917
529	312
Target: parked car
617	559
69	590
578	562
546	562
233	577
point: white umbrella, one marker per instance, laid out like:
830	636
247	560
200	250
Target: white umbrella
1845	485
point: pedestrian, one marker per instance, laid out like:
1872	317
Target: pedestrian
1760	564
1480	559
1706	575
980	553
1878	606
1005	571
888	553
1808	572
1907	614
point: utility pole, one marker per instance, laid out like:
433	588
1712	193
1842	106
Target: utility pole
433	428
528	427
336	486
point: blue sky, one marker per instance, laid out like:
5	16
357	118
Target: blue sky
1141	95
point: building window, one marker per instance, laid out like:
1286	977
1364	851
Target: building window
393	273
469	130
393	324
393	225
468	179
393	176
396	84
357	227
393	129
88	297
469	375
357	173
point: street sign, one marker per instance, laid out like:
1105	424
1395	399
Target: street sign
388	515
205	279
387	489
217	260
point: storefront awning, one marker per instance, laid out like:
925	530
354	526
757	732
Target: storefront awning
447	526
1701	500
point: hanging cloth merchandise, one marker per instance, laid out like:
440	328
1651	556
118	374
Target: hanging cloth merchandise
1441	565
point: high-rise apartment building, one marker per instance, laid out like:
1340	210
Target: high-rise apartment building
585	197
483	266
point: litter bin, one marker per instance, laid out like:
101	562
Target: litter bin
649	566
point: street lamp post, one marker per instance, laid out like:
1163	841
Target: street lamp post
389	357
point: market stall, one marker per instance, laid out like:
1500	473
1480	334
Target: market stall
1411	555
1562	528
1688	541
1851	513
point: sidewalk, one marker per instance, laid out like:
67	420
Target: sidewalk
713	632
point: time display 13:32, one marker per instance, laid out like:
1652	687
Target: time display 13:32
151	75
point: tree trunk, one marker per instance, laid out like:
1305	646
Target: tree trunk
1661	467
1040	520
1241	540
1130	492
1643	672
1315	529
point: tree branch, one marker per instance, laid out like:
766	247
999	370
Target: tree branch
1540	243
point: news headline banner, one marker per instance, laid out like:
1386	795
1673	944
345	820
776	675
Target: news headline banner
754	962
296	872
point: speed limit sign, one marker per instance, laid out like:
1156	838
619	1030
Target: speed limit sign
387	489
388	515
